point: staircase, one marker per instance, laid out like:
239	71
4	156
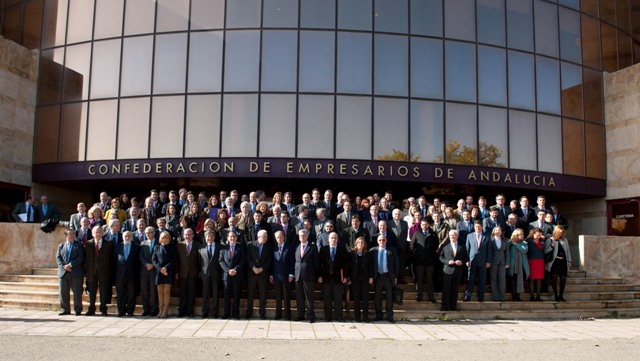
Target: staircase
586	297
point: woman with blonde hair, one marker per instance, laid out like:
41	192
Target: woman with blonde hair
560	263
518	263
164	260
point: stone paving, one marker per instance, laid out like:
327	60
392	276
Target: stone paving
48	323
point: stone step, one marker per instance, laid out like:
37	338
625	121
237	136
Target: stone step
44	271
29	278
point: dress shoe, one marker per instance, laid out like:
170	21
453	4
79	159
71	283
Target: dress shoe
204	315
248	317
443	309
225	317
432	300
340	319
90	313
466	299
538	299
155	313
532	298
129	314
278	317
391	320
480	299
562	299
64	313
453	309
146	313
312	320
263	317
358	319
299	318
180	315
104	313
191	315
419	298
78	313
121	314
365	319
378	318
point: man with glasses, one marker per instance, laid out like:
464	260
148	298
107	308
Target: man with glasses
384	274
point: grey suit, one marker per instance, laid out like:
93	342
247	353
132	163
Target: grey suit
71	254
499	260
479	256
74	221
148	288
210	275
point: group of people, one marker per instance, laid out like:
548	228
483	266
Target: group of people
244	243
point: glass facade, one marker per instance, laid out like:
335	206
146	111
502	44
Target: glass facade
498	83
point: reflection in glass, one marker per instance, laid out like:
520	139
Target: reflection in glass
625	58
595	150
492	135
239	121
76	72
318	14
280	14
170	65
589	7
353	133
492	75
571	3
391	129
80	25
426	17
279	60
491	22
167	127
549	144
102	126
202	138
139	17
205	61
109	14
546	21
50	76
316	61
521	80
622	14
459	20
426	68
315	126
427	131
354	63
609	48
243	13
354	14
133	128
54	23
461	132
593	96
31	24
573	147
207	14
73	132
391	63
10	21
460	71
391	16
571	90
608	11
522	140
590	42
242	60
278	125
570	35
106	57
136	66
173	15
519	25
46	134
548	82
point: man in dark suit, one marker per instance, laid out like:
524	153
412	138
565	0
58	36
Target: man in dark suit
503	210
27	209
558	218
99	258
256	225
46	210
104	202
525	214
74	220
188	272
241	237
372	224
210	274
127	268
83	233
289	230
282	274
510	226
331	210
354	232
384	273
259	258
453	257
322	238
547	229
383	230
343	220
333	276
542	205
400	229
148	272
232	261
479	251
138	234
491	222
70	258
306	270
423	246
465	226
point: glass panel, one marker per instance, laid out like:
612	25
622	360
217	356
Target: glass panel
609	48
32	24
427	131
391	65
635	18
316	61
136	66
460	71
589	6
10	19
354	63
492	134
459	20
173	15
596	151
80	24
101	126
243	13
318	14
109	14
390	129
570	35
571	3
625	58
203	126
353	133
549	144
426	68
354	14
167	127
280	14
492	75
622	14
50	76
573	147
72	132
139	17
207	14
205	61
590	41
315	126
546	21
522	149
521	80
46	134
105	76
519	25
170	67
54	23
548	82
279	60
242	61
426	17
571	90
593	96
76	72
608	11
240	122
491	22
461	132
278	126
391	16
133	128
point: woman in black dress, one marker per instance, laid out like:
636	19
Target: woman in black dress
359	278
164	260
559	266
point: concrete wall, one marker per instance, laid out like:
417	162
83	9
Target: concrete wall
609	256
25	246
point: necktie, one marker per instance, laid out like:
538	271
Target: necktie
29	218
479	239
97	247
333	253
302	250
455	249
44	210
84	237
260	250
126	252
141	237
280	250
380	267
188	248
524	211
277	220
256	229
68	252
232	251
210	251
150	247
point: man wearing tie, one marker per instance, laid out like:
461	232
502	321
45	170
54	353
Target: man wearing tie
479	251
259	258
127	268
333	276
384	269
83	233
546	228
210	274
26	210
343	220
46	210
512	225
306	270
465	226
74	220
423	246
188	272
282	274
148	272
70	257
453	257
232	261
99	258
491	222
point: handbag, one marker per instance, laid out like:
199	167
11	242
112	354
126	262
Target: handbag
398	295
